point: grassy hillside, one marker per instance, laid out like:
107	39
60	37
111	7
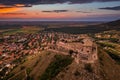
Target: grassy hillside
103	69
49	66
40	65
56	66
109	69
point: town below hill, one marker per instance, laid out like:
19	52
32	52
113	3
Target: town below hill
52	53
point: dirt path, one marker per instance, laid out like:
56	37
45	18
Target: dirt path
58	52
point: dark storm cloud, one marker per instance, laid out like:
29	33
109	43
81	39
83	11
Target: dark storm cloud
111	8
56	11
34	2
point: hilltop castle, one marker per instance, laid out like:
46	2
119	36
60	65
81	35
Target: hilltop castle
85	51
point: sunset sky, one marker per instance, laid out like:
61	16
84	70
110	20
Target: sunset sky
63	10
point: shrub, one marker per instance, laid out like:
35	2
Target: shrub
28	70
88	67
22	67
70	52
77	73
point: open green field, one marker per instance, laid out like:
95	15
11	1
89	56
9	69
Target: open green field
28	30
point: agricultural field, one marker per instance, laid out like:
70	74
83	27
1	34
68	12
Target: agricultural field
24	29
110	42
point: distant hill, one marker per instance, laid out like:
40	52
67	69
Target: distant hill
19	24
67	27
114	25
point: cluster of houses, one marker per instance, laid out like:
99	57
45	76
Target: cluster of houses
108	34
14	48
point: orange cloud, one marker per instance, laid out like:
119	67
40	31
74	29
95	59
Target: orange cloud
6	10
11	8
31	14
19	5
